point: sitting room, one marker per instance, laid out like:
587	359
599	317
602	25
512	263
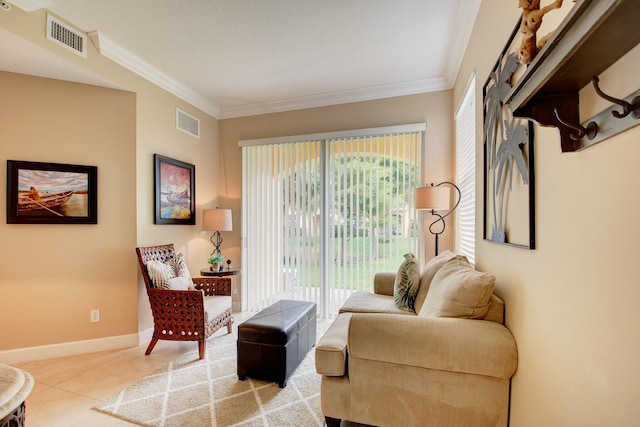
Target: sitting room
170	114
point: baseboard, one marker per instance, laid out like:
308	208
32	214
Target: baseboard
145	336
29	354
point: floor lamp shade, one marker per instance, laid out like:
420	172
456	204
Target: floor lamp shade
433	198
217	220
436	198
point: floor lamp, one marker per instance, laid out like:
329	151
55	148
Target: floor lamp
216	220
434	198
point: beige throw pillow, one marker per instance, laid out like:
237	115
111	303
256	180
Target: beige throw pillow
180	267
407	282
429	271
457	290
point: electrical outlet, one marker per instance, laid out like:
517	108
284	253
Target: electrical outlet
95	316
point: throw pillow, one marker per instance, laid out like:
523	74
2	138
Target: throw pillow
457	290
160	273
429	271
179	283
407	282
180	266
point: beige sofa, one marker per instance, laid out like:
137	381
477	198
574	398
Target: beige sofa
383	366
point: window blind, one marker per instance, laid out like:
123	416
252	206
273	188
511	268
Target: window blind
465	124
321	216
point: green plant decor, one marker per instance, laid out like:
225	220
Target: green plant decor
215	259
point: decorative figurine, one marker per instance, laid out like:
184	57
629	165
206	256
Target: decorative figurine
531	21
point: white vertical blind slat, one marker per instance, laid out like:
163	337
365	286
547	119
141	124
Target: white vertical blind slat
465	173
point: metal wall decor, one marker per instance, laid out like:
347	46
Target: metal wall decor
508	159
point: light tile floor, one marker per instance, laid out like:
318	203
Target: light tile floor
66	388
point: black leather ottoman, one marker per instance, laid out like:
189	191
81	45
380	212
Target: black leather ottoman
272	343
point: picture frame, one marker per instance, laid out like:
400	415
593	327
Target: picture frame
51	193
509	173
175	191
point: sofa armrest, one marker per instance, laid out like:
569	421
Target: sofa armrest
331	350
383	283
459	345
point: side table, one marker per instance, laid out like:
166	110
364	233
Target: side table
236	305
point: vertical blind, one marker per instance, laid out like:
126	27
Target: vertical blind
322	215
465	123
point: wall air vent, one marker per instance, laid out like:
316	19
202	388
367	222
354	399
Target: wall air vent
187	123
66	36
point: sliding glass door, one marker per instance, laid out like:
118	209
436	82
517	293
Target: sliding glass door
322	215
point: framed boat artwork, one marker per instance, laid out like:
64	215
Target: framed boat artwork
51	193
175	189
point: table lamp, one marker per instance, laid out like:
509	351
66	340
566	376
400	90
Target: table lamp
216	220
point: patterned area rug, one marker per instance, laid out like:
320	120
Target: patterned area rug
193	392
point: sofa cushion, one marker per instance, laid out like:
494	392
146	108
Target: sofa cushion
406	284
429	271
443	344
457	290
368	302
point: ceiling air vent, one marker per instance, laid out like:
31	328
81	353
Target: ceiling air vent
67	37
187	123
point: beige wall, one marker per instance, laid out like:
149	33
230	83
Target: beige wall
81	267
53	275
433	108
572	302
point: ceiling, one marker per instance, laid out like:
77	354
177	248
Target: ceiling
238	58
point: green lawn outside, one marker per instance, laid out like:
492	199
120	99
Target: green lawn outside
354	264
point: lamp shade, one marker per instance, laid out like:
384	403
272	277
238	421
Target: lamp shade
433	198
217	220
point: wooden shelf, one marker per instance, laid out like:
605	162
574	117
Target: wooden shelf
594	35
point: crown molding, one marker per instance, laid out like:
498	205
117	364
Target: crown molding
30	5
335	98
127	59
461	42
122	56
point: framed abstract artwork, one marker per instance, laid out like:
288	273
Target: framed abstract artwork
509	196
51	193
174	191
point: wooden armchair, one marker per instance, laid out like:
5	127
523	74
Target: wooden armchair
185	315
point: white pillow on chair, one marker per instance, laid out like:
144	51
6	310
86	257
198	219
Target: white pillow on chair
180	283
160	273
172	274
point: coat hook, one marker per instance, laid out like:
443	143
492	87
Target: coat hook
633	108
590	131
